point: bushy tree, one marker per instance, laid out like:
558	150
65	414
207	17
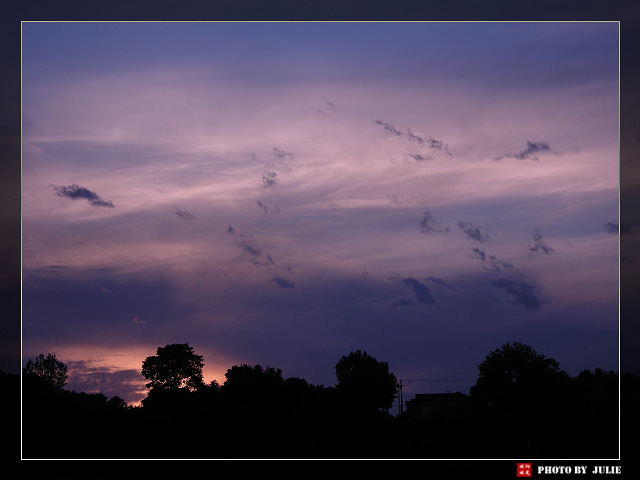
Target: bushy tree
49	368
364	383
515	376
174	366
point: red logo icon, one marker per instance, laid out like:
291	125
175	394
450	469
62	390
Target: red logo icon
524	470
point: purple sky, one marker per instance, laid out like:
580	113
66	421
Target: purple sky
285	193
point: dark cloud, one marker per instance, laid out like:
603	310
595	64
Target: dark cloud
262	206
476	253
184	215
473	232
283	282
429	225
281	153
267	261
393	198
269	179
389	128
529	152
524	293
251	250
490	262
231	230
613	227
420	157
266	208
415	138
538	244
420	291
330	103
76	192
429	142
439	281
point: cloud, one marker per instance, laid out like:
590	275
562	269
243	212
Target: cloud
428	224
428	142
439	281
87	377
257	256
473	231
529	152
281	153
479	254
420	157
231	230
393	198
389	128
613	227
523	293
266	208
269	179
420	291
493	264
76	192
330	103
184	215
251	250
538	244
283	282
267	262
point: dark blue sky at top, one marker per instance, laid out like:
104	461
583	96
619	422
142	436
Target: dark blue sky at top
536	54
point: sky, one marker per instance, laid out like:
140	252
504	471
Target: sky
285	193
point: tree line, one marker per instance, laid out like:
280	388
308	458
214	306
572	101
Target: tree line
522	405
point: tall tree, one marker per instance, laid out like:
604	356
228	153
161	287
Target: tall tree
48	368
515	376
365	383
174	366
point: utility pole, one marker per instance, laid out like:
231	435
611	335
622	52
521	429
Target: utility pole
400	399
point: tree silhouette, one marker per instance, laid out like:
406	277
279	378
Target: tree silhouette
174	366
364	383
49	368
516	376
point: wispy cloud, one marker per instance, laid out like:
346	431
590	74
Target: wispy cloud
537	244
76	192
490	262
269	179
283	282
184	215
429	225
421	293
278	153
523	292
473	231
266	208
393	198
419	157
250	249
389	128
429	142
330	103
441	282
530	151
425	142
